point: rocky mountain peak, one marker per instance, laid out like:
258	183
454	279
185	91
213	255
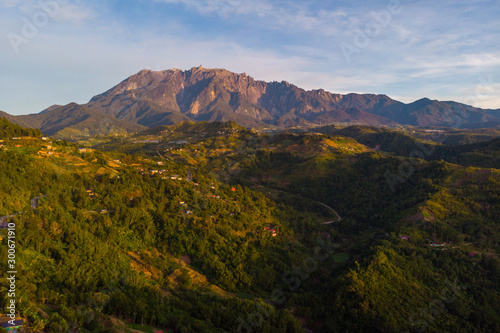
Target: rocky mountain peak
152	98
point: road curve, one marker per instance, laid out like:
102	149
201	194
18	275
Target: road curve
35	202
339	218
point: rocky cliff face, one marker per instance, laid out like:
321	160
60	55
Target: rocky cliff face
217	94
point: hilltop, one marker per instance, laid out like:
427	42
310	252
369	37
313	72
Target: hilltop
9	130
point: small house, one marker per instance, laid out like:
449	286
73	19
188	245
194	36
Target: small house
271	230
404	237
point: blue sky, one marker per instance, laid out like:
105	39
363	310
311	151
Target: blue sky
407	49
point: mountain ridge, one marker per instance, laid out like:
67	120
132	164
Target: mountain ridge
154	98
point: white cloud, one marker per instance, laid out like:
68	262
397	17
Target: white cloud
59	10
74	13
222	7
436	66
9	3
403	34
451	41
292	15
484	94
492	102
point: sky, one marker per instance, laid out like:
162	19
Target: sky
62	51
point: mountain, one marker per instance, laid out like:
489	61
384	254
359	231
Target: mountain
156	98
10	118
75	121
426	112
219	95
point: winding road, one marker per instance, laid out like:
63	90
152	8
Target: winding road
339	218
35	202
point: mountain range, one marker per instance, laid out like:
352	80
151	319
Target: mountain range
153	98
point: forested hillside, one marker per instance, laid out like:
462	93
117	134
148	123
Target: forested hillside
468	148
9	130
210	227
393	211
